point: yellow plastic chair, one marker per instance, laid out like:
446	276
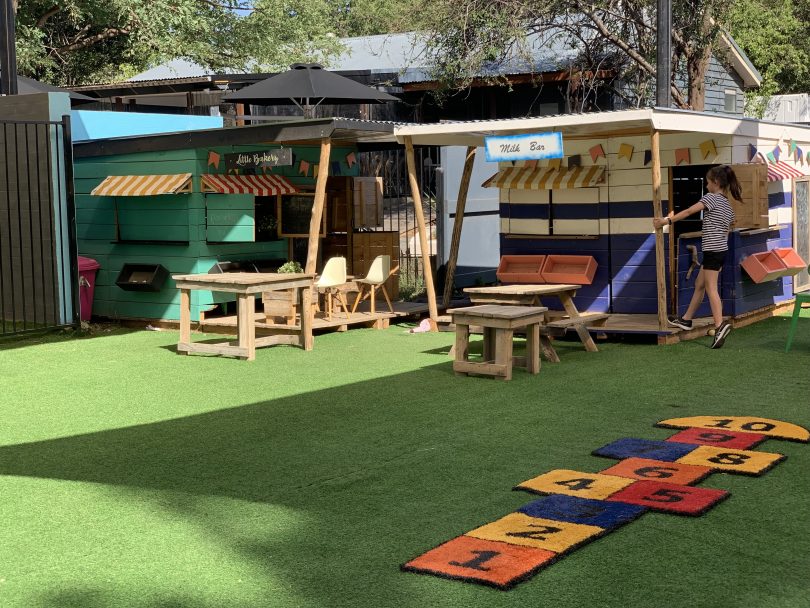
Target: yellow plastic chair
801	298
333	276
378	274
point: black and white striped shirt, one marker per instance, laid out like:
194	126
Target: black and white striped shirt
717	219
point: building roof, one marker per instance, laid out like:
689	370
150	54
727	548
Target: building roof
303	130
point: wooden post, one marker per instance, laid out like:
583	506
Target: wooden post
461	202
660	277
420	221
317	207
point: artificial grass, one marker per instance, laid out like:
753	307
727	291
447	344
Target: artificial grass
132	476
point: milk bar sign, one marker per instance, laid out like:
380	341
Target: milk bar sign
281	157
532	146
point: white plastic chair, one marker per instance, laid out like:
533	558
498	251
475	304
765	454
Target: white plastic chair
378	274
332	276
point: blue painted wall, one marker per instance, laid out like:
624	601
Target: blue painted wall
90	125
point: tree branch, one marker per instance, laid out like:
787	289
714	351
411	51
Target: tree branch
88	42
43	19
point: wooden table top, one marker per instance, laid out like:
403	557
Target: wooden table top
243	282
494	311
523	290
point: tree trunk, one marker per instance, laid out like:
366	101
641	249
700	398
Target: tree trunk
697	66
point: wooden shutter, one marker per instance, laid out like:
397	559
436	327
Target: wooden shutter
753	213
368	201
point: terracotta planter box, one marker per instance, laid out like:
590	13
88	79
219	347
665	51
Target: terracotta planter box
765	266
793	261
521	269
574	269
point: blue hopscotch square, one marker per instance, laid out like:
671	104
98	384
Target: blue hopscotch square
630	447
571	509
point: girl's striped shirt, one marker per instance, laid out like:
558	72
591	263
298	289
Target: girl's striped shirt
717	219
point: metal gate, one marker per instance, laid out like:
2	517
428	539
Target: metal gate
398	210
38	258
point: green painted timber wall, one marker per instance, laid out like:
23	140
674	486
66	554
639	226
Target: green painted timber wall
184	219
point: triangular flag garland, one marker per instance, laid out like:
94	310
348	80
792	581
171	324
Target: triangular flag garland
777	151
335	167
626	151
792	147
752	152
708	148
303	168
647	157
351	159
575	160
213	159
315	169
555	163
682	156
771	157
596	152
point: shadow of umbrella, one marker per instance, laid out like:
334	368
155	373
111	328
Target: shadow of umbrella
307	85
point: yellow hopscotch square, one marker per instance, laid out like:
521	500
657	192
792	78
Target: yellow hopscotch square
576	483
527	531
730	460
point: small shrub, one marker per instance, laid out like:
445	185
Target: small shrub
291	266
411	286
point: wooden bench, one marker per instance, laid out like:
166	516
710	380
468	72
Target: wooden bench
499	324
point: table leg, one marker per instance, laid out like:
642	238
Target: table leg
246	328
548	350
533	348
503	351
185	318
462	344
305	298
489	343
582	332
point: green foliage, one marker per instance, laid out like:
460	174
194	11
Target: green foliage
411	286
291	266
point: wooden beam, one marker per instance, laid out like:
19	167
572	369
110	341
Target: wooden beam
316	220
420	221
673	255
660	278
461	203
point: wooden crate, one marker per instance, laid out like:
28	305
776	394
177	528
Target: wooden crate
764	266
574	269
521	269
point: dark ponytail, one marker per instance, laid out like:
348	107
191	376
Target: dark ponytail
725	177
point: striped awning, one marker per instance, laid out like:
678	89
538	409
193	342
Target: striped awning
781	170
545	178
143	185
261	185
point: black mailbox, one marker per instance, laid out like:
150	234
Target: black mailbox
142	277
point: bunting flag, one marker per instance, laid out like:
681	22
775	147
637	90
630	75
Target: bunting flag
626	151
575	160
530	163
777	151
771	156
596	152
213	159
335	167
647	157
315	169
682	156
351	159
792	147
752	152
808	158
799	156
303	168
708	148
555	163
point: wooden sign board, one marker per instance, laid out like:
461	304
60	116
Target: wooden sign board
280	157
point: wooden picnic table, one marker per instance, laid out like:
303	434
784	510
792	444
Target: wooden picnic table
246	285
531	295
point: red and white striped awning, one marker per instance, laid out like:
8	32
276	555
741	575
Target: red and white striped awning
261	185
545	178
781	170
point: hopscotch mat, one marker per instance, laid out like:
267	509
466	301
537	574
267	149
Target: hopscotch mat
577	507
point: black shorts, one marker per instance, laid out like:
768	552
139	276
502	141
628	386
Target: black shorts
713	260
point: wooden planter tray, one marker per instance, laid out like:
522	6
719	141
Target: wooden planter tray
521	269
575	269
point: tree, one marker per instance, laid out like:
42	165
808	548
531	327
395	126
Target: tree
612	42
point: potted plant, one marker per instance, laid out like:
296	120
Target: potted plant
281	303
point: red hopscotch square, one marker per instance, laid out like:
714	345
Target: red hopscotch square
670	497
493	563
720	438
669	472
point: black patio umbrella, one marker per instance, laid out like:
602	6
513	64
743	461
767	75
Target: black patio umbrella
307	85
29	86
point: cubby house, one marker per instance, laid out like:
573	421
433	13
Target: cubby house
598	202
219	200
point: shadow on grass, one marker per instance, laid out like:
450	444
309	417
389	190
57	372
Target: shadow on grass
51	336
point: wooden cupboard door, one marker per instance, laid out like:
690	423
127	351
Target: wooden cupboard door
753	213
368	202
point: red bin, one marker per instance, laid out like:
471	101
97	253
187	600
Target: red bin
87	283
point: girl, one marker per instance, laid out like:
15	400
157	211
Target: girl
718	217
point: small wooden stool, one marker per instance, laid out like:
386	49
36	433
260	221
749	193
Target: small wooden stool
499	323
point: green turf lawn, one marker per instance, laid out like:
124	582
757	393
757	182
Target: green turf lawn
134	477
